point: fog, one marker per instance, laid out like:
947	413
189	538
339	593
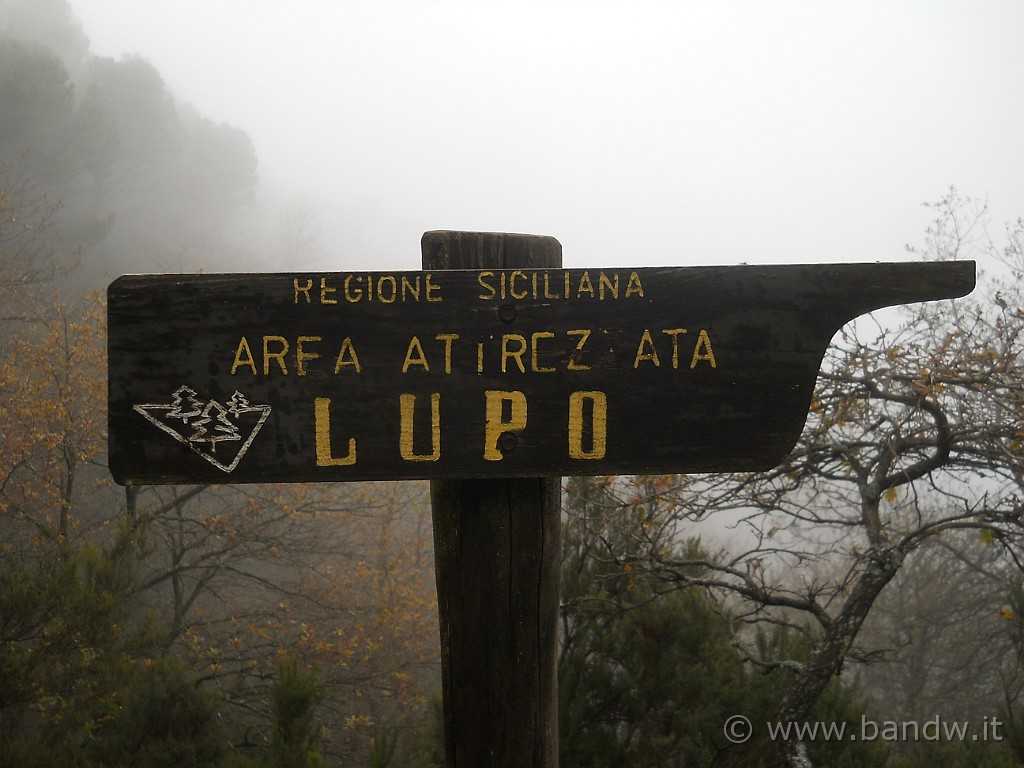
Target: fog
637	134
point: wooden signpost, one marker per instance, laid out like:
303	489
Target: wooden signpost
492	372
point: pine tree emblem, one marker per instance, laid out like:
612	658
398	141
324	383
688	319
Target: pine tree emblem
204	426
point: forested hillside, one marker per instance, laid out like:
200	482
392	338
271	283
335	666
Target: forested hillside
165	626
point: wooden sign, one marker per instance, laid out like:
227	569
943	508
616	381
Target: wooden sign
305	377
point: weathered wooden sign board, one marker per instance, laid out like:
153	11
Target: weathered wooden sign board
308	377
493	372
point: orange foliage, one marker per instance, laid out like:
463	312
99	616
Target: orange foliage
52	414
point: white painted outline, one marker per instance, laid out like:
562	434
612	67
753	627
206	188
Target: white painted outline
145	410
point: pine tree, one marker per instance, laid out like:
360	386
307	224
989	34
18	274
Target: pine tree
185	404
224	428
293	699
238	404
163	719
649	674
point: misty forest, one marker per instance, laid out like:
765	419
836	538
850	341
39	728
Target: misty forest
873	579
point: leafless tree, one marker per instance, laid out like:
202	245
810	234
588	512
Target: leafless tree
914	436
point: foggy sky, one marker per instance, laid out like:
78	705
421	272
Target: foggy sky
636	133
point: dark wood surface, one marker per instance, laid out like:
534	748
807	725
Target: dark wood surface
708	369
497	556
497	552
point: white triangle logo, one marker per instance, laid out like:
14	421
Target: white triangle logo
220	433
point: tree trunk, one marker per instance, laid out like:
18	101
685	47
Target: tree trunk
830	651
